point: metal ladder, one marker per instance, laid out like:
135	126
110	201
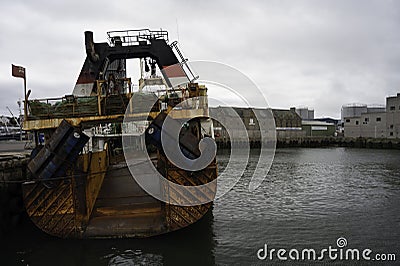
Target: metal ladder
183	62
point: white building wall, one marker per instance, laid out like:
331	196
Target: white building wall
373	125
352	127
353	110
310	114
305	113
374	122
393	116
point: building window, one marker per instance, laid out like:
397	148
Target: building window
378	119
391	126
347	120
356	122
391	134
392	108
366	119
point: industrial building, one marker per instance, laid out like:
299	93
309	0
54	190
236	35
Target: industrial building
393	116
352	110
304	112
372	121
287	123
318	128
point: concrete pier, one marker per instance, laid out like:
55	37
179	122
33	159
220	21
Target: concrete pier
317	142
12	173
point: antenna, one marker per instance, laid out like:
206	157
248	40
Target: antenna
177	28
16	121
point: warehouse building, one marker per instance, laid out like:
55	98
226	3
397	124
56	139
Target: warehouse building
373	121
287	123
318	129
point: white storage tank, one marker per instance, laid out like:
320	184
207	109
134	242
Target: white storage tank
376	108
353	110
305	113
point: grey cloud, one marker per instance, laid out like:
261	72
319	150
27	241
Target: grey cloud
298	52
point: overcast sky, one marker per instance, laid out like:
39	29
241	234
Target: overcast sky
320	54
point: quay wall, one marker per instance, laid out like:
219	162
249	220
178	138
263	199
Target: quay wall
12	173
317	142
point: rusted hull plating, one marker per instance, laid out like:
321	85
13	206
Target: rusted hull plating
102	201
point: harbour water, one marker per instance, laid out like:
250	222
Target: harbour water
310	198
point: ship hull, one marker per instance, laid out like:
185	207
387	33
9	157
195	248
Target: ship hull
101	199
81	184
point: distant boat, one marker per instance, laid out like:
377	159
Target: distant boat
11	133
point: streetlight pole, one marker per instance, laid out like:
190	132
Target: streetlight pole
20	122
25	99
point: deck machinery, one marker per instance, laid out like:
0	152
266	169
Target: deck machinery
80	185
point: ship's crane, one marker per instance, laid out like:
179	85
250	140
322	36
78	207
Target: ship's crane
107	60
16	121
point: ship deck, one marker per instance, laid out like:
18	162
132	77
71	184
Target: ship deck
123	208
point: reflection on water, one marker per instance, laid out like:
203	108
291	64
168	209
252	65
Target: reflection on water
193	245
310	198
130	257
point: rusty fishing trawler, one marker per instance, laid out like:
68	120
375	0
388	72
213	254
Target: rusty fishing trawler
80	184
